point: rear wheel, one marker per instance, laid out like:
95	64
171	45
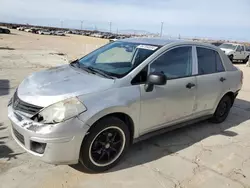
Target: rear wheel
222	110
105	144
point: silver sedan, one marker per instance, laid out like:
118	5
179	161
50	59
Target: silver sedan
93	109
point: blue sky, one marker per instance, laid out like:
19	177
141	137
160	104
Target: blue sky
218	19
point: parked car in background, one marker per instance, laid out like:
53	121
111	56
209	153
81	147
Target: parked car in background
4	30
44	32
59	33
235	51
34	30
93	109
112	40
216	43
20	28
98	35
28	30
86	33
12	26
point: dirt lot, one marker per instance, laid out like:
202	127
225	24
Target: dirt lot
202	155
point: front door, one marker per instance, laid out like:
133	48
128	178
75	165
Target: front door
240	53
175	100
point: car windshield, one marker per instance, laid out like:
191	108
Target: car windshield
118	58
228	46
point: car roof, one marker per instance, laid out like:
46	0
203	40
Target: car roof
165	41
231	43
153	41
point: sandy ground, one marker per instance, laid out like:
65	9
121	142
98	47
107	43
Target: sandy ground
202	155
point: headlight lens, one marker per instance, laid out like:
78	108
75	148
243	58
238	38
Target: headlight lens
61	111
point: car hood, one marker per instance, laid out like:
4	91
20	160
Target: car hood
53	85
226	51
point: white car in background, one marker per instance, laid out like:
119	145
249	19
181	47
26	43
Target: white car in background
59	33
28	30
44	32
20	28
236	51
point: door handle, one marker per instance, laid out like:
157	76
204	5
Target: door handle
222	79
190	85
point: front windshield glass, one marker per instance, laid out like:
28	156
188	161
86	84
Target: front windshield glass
117	58
228	46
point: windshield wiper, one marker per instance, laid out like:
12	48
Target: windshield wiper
98	71
75	62
90	69
85	68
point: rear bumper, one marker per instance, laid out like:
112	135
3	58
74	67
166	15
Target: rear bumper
60	147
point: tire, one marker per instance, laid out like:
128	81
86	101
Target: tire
222	110
231	57
246	60
102	143
7	31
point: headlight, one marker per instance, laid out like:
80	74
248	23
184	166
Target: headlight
61	111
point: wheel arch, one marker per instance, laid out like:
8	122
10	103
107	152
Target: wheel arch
231	94
125	117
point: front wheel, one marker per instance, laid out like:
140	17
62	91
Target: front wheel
105	144
231	57
246	60
222	110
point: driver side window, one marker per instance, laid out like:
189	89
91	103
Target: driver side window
176	63
239	48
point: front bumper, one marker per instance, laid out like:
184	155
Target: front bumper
62	141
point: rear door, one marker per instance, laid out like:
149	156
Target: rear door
211	80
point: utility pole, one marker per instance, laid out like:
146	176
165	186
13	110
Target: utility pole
81	24
110	27
161	28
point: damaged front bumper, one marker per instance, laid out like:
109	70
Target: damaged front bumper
56	143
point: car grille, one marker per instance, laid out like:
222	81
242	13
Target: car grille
22	106
19	136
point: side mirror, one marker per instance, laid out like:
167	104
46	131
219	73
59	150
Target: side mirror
155	79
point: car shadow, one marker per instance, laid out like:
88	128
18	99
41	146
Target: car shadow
5	151
169	143
4	87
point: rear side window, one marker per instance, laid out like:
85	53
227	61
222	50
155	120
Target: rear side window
219	64
209	61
